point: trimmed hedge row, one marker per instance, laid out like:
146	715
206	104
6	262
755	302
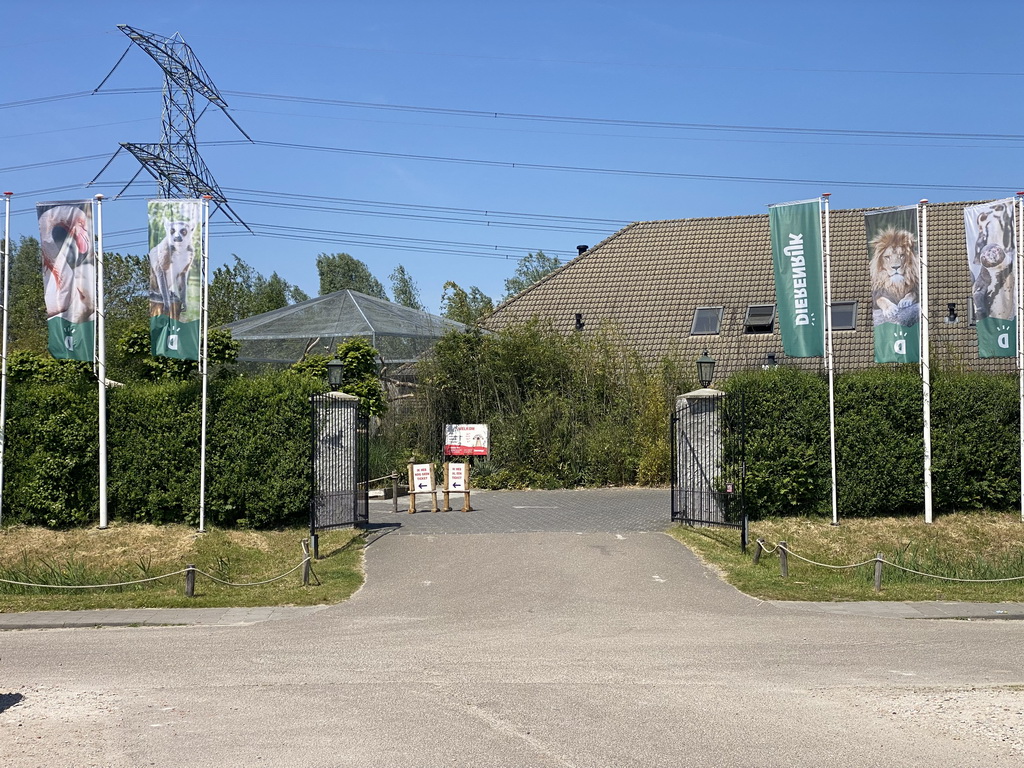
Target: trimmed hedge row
258	448
879	442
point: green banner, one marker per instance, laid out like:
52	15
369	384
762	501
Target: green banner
895	284
992	258
175	279
67	250
799	279
70	341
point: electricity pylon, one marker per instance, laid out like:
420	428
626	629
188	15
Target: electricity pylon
175	162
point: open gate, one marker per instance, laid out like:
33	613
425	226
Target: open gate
341	466
708	461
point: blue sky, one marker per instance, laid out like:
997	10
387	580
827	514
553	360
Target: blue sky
430	133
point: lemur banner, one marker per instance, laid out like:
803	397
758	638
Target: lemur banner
992	258
894	259
68	251
175	279
799	280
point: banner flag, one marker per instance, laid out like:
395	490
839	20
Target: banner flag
799	281
175	279
894	256
992	259
68	252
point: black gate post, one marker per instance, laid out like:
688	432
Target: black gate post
340	464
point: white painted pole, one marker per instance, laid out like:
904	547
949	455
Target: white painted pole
204	357
1020	337
926	364
3	354
101	360
830	359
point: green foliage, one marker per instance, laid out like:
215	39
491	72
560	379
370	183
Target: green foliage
563	410
50	461
339	271
531	268
238	291
360	374
27	320
259	444
465	307
138	363
879	442
404	289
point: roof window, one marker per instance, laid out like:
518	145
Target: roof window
760	318
844	315
707	321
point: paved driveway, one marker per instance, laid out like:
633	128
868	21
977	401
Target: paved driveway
559	647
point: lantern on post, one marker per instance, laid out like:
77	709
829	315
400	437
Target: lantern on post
705	369
335	373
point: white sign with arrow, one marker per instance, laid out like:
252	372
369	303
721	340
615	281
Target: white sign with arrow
422	478
458	476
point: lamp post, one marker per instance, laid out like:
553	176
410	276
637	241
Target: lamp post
335	373
705	369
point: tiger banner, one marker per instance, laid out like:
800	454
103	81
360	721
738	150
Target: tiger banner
895	266
68	254
992	259
799	276
175	279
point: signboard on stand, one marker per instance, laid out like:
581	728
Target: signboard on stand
422	478
466	440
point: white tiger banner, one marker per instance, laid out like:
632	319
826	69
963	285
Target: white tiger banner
992	259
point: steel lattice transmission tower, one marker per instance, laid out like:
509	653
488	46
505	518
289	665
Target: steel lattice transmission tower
175	162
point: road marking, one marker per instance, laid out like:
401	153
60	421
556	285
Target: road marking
620	536
534	507
659	579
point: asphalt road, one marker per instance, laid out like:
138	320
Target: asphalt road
554	647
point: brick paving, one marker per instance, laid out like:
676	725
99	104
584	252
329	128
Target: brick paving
603	510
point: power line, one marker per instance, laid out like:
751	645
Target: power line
620	122
628	172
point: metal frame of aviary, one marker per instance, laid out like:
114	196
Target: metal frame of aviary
341	466
708	462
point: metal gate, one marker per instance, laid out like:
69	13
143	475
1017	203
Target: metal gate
708	461
341	466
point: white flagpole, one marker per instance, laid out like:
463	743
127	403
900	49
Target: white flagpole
830	359
3	358
1020	337
101	360
204	357
926	364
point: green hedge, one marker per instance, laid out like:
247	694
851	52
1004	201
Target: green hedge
258	449
879	442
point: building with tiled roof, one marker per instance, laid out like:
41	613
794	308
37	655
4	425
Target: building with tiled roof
661	286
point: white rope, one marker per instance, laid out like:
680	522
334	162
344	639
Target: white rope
894	565
155	578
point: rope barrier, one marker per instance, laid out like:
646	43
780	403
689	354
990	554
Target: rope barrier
875	560
157	578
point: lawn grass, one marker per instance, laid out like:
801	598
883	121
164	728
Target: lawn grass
130	552
966	546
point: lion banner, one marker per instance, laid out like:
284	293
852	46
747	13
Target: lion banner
175	282
992	259
799	276
894	258
68	253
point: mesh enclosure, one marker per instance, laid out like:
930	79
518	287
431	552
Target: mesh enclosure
317	326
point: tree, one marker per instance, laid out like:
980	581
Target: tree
404	289
462	307
339	271
359	376
126	292
531	268
27	319
239	291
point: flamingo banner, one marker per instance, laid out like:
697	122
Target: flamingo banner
68	250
